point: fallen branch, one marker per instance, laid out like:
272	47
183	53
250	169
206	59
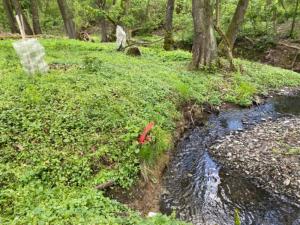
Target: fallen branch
250	40
144	43
106	185
289	46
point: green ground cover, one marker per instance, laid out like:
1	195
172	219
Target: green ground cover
77	126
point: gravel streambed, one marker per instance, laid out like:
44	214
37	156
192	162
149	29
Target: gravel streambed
268	153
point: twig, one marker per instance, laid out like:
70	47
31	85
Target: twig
250	40
105	185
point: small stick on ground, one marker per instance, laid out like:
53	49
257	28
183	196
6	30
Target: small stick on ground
106	185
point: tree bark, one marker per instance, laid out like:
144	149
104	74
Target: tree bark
294	19
10	16
67	18
218	12
101	4
104	33
125	4
147	10
19	12
236	22
35	17
168	42
228	50
204	44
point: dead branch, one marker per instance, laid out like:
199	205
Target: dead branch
289	46
250	40
106	185
144	43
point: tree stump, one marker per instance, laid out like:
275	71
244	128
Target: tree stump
134	51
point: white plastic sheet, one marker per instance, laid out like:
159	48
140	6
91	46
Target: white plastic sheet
31	54
121	37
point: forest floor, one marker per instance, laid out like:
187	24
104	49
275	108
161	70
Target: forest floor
65	132
284	53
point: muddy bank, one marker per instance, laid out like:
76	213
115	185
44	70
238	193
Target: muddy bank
282	53
269	154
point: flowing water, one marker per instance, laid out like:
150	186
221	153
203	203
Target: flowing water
200	191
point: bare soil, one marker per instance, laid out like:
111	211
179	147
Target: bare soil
283	53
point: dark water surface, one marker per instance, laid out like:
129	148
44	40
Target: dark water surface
202	192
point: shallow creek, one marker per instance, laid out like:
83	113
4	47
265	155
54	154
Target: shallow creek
200	191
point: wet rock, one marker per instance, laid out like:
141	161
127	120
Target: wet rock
287	182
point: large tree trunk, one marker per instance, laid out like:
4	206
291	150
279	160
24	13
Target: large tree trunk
67	18
168	42
10	16
294	19
35	17
101	4
204	45
236	22
19	12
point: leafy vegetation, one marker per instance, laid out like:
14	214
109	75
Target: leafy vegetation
65	132
266	19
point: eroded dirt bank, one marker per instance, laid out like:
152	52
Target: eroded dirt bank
269	153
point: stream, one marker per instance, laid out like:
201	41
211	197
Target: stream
200	191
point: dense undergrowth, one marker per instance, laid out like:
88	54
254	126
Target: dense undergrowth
77	126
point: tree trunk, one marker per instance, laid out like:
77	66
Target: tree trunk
35	17
204	45
274	21
67	18
101	4
294	19
125	4
10	16
19	12
236	22
168	42
218	12
147	9
104	33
